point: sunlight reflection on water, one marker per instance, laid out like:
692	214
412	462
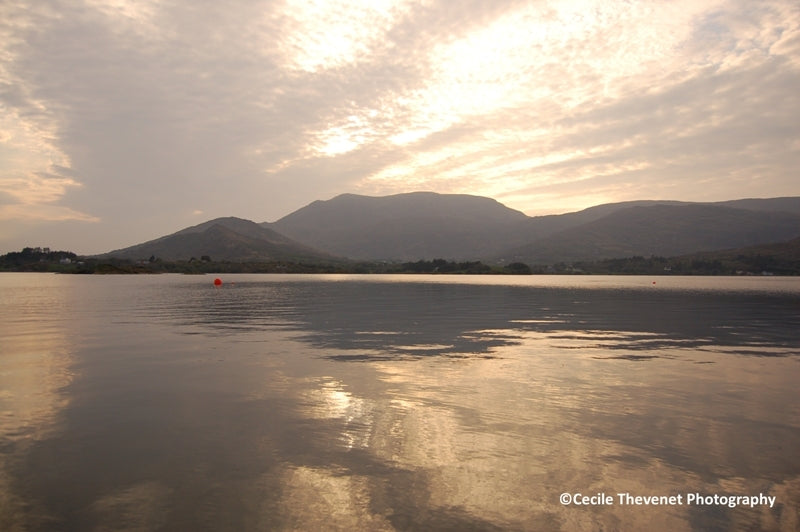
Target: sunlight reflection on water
352	403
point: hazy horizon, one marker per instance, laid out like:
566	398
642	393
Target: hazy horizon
123	121
168	232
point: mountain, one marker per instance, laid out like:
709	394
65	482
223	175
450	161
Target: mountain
425	225
539	227
405	226
665	229
790	204
223	239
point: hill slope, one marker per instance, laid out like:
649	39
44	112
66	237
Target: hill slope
426	225
404	226
660	229
782	258
223	239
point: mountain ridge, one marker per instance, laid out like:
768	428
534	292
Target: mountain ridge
426	225
225	238
662	229
390	227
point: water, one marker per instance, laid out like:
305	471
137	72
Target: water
396	402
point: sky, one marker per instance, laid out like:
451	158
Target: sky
122	121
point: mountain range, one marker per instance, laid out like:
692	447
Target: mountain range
224	239
425	225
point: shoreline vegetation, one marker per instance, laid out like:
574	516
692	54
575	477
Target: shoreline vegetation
720	263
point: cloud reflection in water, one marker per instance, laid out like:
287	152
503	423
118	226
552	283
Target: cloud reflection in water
301	403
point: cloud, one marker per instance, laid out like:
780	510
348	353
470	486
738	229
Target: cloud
42	212
322	35
33	197
613	103
34	171
142	113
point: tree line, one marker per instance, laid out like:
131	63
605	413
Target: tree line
37	259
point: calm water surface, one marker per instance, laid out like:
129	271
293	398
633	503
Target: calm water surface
396	403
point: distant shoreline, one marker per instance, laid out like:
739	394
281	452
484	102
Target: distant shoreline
723	263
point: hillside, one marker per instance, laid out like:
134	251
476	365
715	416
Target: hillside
426	225
458	227
660	229
223	239
782	258
404	226
539	227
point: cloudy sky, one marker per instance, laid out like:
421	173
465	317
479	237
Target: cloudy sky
122	121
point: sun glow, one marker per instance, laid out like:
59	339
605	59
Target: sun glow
296	100
343	138
322	35
544	63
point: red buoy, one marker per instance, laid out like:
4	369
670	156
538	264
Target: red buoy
217	282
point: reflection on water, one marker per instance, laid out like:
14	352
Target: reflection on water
380	403
418	319
34	370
